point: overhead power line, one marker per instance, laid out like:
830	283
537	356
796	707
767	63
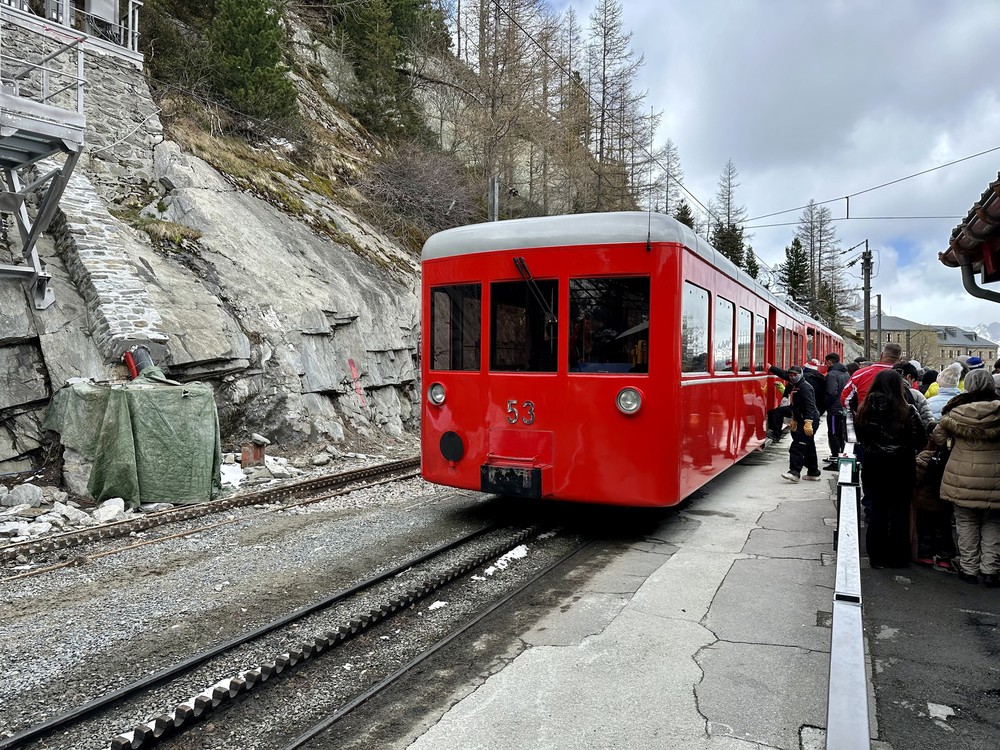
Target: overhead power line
878	187
855	218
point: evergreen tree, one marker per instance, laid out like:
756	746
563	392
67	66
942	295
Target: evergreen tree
246	42
728	240
382	99
684	215
750	264
726	232
794	273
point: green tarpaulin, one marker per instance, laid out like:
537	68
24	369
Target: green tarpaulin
151	440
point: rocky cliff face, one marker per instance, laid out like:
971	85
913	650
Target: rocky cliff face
303	317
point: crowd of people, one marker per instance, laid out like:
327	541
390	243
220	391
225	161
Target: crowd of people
928	444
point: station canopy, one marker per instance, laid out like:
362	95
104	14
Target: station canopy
976	240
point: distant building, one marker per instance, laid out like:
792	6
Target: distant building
933	346
956	342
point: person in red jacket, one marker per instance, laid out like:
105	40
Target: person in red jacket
857	387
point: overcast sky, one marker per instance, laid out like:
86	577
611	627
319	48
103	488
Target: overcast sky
818	99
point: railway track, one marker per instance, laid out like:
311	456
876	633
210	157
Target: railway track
321	727
313	490
374	601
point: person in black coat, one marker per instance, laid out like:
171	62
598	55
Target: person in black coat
890	433
805	420
836	426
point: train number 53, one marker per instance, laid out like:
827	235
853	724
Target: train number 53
512	413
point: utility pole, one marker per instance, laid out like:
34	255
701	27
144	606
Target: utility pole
493	200
866	274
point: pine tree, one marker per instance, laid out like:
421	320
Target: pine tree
794	273
382	100
684	215
750	264
728	240
247	42
726	232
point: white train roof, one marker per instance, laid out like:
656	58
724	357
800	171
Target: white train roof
591	229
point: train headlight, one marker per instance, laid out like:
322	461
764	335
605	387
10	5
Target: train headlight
629	400
435	394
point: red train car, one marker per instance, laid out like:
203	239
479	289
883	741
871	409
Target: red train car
612	358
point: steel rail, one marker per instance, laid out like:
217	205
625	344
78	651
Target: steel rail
117	529
158	678
329	721
166	725
77	561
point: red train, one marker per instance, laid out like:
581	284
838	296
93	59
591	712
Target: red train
611	358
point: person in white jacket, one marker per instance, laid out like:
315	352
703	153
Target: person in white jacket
947	381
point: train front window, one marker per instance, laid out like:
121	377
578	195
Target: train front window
456	333
694	329
609	325
523	330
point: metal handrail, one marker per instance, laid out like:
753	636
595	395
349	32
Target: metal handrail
847	719
124	33
40	67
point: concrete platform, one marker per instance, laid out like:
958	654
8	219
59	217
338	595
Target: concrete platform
718	640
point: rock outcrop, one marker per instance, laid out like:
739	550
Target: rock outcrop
305	322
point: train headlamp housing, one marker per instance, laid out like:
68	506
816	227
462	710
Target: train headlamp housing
435	394
628	400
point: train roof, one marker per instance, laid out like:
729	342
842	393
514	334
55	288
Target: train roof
591	229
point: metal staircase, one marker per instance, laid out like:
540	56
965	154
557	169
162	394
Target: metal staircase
41	116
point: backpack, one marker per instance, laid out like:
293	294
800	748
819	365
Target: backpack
818	382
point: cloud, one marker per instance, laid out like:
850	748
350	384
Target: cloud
818	100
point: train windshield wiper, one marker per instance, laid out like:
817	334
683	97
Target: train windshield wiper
522	268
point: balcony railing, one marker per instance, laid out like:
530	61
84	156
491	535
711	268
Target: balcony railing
114	21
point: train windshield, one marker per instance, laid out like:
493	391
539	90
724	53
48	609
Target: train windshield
523	332
609	325
456	333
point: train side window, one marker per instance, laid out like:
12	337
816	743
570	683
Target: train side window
523	328
796	350
744	335
779	347
723	335
760	337
456	314
609	325
694	329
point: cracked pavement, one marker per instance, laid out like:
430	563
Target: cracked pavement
713	632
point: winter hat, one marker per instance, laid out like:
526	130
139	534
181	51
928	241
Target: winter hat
916	364
979	380
949	376
975	363
813	363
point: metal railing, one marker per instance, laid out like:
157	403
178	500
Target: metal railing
115	21
847	720
38	80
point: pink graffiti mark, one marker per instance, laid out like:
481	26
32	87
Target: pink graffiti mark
356	379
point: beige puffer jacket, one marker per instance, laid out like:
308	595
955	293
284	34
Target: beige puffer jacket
972	476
